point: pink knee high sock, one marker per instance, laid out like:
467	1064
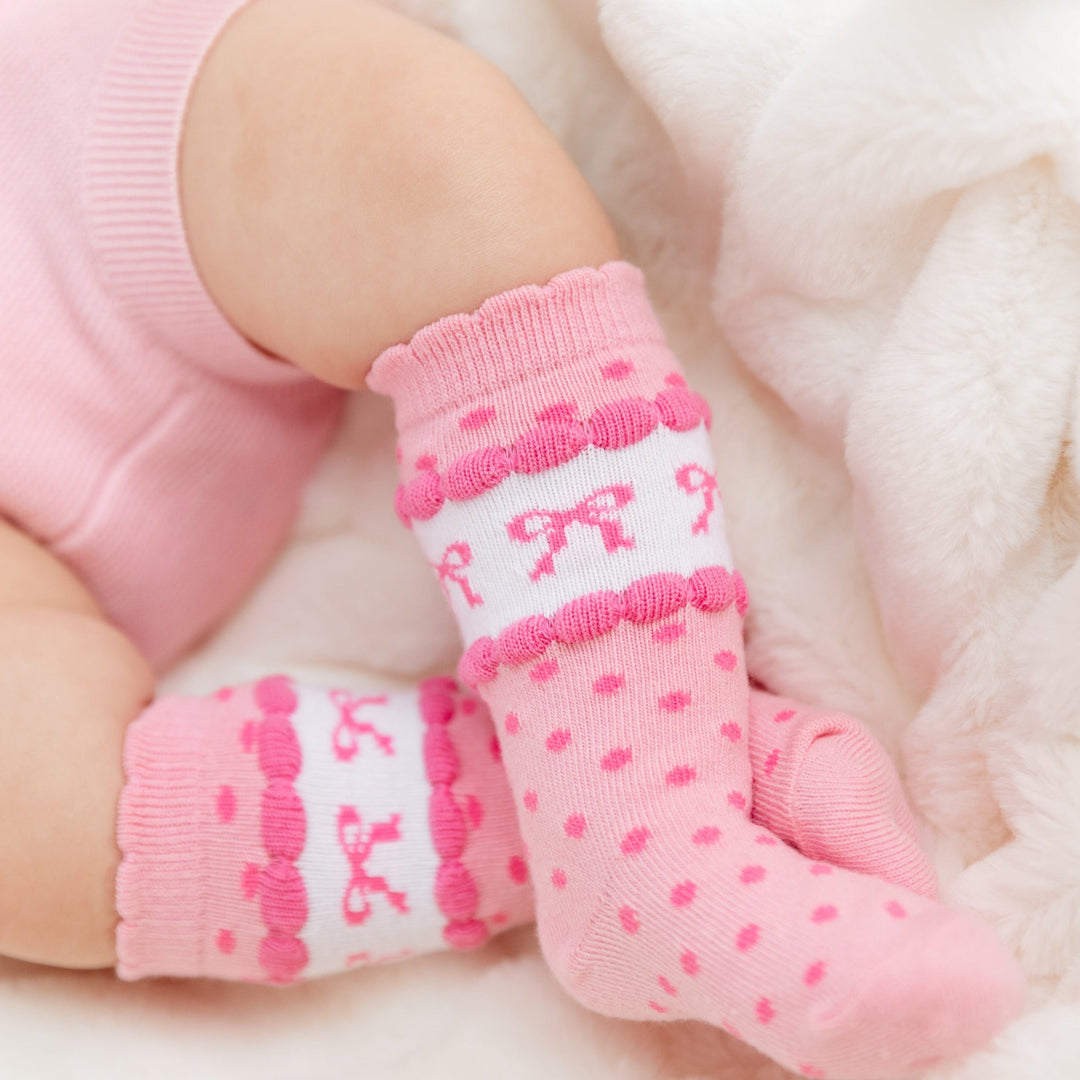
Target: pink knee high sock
211	806
277	831
558	475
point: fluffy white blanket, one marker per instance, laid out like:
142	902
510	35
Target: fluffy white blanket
860	226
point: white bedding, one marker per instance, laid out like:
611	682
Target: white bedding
890	347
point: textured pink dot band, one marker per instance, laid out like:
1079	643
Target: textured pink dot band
456	891
611	427
712	588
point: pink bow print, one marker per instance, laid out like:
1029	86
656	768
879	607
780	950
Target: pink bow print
371	959
692	479
453	569
593	511
349	729
356	905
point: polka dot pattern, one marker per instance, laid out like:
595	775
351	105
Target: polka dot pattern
477	419
675	701
616	759
683	893
558	740
548	669
609	684
617	370
631	748
681	775
226	804
747	937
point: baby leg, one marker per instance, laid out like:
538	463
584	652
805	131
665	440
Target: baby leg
550	441
268	832
274	177
305	121
278	831
60	780
69	686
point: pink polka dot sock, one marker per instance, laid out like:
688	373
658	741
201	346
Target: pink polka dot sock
558	474
823	784
277	831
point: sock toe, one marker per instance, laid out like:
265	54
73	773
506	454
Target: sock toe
945	993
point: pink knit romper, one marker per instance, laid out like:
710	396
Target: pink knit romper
145	442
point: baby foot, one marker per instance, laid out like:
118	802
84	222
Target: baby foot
823	784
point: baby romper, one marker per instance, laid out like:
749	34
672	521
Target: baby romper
145	442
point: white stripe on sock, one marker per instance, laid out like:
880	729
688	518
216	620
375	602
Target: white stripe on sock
378	785
498	570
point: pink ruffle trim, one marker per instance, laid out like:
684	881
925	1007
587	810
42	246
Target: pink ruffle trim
548	445
712	588
283	902
456	892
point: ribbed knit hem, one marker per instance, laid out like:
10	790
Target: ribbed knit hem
515	335
131	187
160	890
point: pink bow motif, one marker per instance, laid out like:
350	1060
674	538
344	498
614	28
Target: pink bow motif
349	730
356	904
692	479
594	511
453	569
373	959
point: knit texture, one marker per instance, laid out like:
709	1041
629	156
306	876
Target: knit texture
603	625
213	789
823	784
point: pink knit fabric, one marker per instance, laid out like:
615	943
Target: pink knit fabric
278	831
130	405
824	785
211	826
603	625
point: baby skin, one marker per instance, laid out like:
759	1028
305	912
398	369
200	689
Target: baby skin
352	181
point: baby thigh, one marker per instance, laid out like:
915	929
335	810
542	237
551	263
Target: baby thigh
69	685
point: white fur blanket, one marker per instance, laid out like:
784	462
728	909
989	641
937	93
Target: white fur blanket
859	221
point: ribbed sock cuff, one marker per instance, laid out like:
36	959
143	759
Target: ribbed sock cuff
576	317
159	885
